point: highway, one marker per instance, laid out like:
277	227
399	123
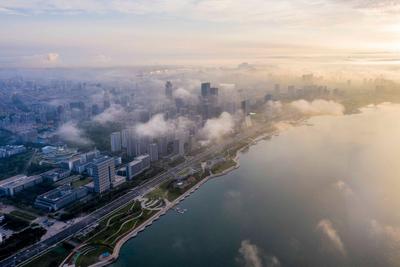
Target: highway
94	217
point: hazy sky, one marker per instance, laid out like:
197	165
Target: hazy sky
133	32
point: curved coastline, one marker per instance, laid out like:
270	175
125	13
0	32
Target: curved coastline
114	256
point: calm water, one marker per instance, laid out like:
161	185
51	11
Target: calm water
320	195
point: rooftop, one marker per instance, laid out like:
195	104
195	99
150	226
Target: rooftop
18	180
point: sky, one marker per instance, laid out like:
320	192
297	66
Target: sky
79	33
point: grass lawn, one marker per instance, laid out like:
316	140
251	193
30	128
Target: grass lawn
81	182
91	255
23	215
220	167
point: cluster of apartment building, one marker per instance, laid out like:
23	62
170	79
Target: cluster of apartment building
10	150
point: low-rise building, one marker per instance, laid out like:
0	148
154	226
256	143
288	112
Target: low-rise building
9	150
134	168
60	197
15	184
137	166
56	174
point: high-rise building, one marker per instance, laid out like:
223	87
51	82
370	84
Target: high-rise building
124	138
268	97
106	100
103	173
143	145
168	89
214	91
162	143
116	141
205	89
245	107
153	151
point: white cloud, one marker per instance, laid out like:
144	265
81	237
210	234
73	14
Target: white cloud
327	230
159	126
216	128
273	108
185	95
318	107
70	132
113	113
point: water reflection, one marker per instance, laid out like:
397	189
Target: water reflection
320	195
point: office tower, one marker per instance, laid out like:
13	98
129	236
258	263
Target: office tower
116	141
162	143
143	145
132	146
179	104
175	146
214	91
106	100
103	173
205	89
268	97
245	107
168	90
153	151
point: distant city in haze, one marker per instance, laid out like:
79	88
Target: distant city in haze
208	133
94	33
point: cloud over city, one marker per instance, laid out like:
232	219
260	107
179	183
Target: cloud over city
70	132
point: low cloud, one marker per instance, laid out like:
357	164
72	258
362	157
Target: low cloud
113	113
158	126
318	107
273	108
328	232
251	255
217	128
70	132
155	127
184	94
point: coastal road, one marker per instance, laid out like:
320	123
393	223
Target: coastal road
93	218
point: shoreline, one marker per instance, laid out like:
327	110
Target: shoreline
116	251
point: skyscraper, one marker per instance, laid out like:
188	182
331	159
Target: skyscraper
245	107
153	151
168	90
103	173
205	89
124	138
116	141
